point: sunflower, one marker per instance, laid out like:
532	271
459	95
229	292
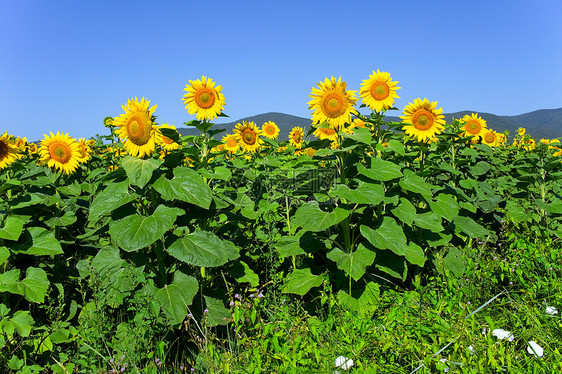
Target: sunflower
203	99
61	152
379	91
9	151
270	130
423	120
230	143
473	126
163	141
248	136
491	138
108	121
332	103
84	151
296	137
326	133
137	127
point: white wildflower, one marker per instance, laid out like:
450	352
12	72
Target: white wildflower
551	310
344	363
503	334
535	349
471	349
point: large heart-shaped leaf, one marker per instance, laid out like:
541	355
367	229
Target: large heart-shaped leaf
140	171
135	232
113	197
38	241
365	193
300	281
389	235
446	206
176	298
311	218
217	313
414	183
362	300
12	229
35	285
202	248
380	170
186	185
354	263
468	226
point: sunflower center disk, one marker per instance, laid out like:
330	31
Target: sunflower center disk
60	153
139	130
3	149
232	142
423	120
297	138
473	127
205	98
167	140
490	138
333	105
270	130
380	91
249	137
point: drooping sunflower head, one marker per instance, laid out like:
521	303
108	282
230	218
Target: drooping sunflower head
9	151
248	136
108	121
270	130
379	91
326	133
163	141
490	137
296	137
230	143
332	102
422	120
203	99
137	127
84	151
473	126
60	152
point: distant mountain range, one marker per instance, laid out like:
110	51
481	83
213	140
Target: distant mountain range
544	123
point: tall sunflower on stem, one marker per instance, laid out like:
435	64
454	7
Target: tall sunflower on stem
137	127
332	102
9	151
203	99
61	152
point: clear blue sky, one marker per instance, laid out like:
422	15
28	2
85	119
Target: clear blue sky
65	65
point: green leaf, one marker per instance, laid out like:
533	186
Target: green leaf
10	282
38	241
415	255
20	321
73	189
186	185
303	242
468	226
242	273
218	314
311	218
364	300
414	183
35	285
454	262
397	147
360	134
480	168
140	171
113	197
176	298
445	206
365	193
4	254
405	211
12	229
108	262
516	212
389	235
68	218
355	263
429	221
300	281
135	232
380	170
202	248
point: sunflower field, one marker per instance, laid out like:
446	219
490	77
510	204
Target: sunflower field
356	245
